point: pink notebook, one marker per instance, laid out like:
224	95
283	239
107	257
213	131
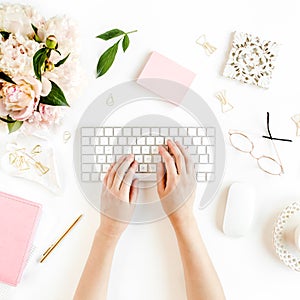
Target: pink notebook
18	220
160	75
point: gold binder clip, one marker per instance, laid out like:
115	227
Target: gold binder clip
296	119
226	106
209	49
110	100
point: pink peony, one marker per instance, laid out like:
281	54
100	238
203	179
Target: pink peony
20	100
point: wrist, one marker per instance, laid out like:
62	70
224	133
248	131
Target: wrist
183	223
103	235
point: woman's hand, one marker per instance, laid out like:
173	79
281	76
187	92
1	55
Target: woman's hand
119	192
176	183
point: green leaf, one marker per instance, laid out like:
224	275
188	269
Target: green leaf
39	59
62	61
125	42
5	34
106	60
110	34
36	37
12	127
6	78
56	97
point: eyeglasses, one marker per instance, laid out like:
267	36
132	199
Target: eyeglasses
241	142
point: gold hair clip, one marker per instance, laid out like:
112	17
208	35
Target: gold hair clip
66	136
209	49
226	106
296	119
110	100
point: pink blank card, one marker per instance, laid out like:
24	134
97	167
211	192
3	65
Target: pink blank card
18	219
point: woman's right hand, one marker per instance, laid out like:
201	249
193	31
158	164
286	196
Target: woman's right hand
176	183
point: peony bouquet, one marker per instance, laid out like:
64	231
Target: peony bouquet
39	67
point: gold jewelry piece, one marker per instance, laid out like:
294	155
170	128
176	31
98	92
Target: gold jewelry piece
226	106
67	136
110	100
209	49
296	119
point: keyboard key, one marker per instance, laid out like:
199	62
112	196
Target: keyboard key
192	149
136	150
127	131
118	150
147	159
210	176
122	140
152	168
96	168
103	141
145	131
201	150
210	131
86	168
141	141
154	131
202	131
132	141
139	158
99	149
201	177
117	131
208	141
211	154
136	131
110	159
95	177
207	168
127	150
142	168
179	140
88	150
145	150
203	159
156	158
182	132
154	150
108	132
112	141
174	131
88	159
192	131
102	175
99	132
150	140
101	159
195	158
87	131
105	167
159	140
187	141
197	141
94	141
164	131
85	141
85	177
108	150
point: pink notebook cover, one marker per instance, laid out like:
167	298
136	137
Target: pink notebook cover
160	67
18	220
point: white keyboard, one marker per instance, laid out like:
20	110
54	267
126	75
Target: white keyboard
102	146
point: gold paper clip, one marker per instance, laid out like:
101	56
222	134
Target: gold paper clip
209	49
110	100
296	119
36	150
226	106
66	136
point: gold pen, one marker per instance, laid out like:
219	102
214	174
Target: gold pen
52	247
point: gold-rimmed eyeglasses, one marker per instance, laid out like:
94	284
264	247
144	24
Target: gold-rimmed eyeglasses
241	142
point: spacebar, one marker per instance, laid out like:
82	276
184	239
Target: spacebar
146	176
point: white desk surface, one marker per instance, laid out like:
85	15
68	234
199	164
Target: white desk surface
147	264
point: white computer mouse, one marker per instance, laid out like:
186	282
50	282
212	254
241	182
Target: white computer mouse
297	237
239	209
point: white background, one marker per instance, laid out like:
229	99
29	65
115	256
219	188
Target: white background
147	264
